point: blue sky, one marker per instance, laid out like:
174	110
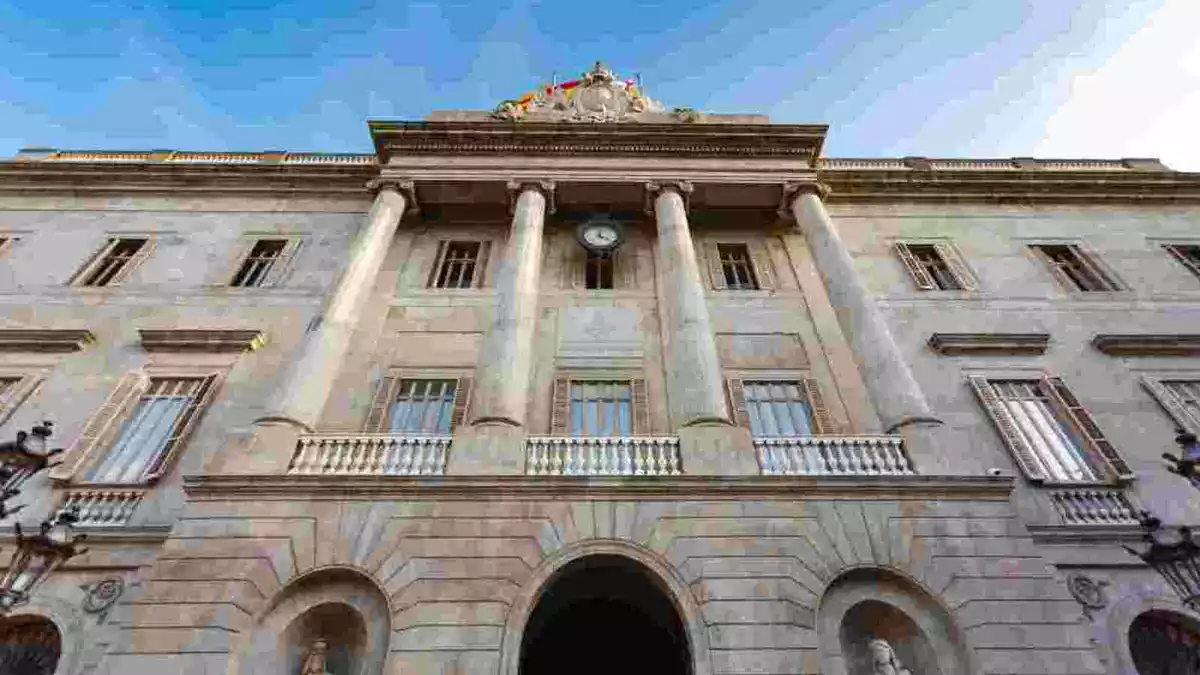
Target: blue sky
1080	78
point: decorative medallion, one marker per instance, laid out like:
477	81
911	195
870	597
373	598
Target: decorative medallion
1086	590
102	595
597	96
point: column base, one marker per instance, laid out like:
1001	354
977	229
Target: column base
266	450
487	450
716	449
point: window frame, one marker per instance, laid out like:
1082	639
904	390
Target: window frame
97	260
387	390
1156	384
1175	250
821	422
948	255
561	399
280	269
758	256
25	384
1089	260
478	272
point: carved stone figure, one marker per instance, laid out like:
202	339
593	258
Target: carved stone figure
884	659
597	96
314	659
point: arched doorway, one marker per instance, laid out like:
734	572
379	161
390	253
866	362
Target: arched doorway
30	645
604	614
1164	643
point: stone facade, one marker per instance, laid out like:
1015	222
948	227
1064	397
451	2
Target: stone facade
287	511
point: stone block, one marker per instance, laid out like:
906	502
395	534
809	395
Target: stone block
717	450
487	450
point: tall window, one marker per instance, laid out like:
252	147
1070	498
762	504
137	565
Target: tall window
1074	268
778	408
598	271
935	266
460	265
264	257
1187	392
1187	254
158	421
737	269
114	262
422	407
601	408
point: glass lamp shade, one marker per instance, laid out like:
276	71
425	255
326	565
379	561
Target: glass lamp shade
1175	554
37	556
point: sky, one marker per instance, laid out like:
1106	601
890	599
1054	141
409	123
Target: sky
935	78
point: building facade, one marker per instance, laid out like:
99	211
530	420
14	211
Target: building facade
584	384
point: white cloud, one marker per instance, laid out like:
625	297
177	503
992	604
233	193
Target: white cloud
1144	101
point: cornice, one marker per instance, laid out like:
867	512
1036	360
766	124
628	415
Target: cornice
1147	345
202	340
676	488
45	341
976	344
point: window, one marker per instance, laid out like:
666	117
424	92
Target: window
14	389
264	262
780	408
1051	435
1188	254
598	271
460	264
165	411
1180	398
935	267
737	270
1075	269
430	406
114	262
600	407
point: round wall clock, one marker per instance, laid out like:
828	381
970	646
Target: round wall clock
600	235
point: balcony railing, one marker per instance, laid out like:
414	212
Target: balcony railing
371	455
832	456
102	506
602	456
1094	506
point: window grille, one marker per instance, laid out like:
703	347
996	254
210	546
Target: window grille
737	268
1187	254
264	256
460	265
601	408
114	262
1074	268
423	407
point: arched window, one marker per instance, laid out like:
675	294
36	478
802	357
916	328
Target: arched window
1163	643
30	645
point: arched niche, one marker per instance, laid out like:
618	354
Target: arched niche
867	604
605	579
344	608
1164	643
30	645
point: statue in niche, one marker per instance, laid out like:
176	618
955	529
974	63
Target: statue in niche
314	659
884	659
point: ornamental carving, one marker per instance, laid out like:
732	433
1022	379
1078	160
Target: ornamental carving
597	96
1087	591
102	595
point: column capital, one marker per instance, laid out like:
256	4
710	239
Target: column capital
403	186
516	187
682	188
793	191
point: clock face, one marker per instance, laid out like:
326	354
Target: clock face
600	236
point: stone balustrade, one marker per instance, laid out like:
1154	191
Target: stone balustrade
832	456
102	506
602	456
1095	506
370	454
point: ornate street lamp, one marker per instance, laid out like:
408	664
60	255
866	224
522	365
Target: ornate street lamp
1175	554
38	555
1187	463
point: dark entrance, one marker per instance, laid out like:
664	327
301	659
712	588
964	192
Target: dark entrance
29	645
1161	643
604	614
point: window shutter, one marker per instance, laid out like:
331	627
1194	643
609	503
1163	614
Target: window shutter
1182	257
1171	403
1099	445
957	267
822	420
560	407
737	402
283	263
481	263
436	271
99	426
135	262
715	272
641	407
764	271
462	398
17	395
1007	427
922	278
183	427
385	394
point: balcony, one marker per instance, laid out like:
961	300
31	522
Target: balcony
602	456
1094	506
833	456
370	455
103	506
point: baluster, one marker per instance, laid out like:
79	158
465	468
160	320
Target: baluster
764	462
376	447
431	456
359	455
676	460
405	453
604	457
557	465
533	457
640	456
443	455
128	503
854	451
625	465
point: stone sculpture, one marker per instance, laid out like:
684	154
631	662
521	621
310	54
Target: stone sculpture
884	659
314	659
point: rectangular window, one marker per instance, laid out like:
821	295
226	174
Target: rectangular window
162	415
778	408
460	265
737	268
422	407
601	408
1187	254
256	269
598	272
935	266
114	262
1074	268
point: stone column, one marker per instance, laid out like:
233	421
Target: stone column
890	383
494	442
699	414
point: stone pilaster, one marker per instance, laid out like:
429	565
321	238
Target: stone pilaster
890	383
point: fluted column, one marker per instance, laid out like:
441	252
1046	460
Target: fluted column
309	380
695	390
890	383
506	359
